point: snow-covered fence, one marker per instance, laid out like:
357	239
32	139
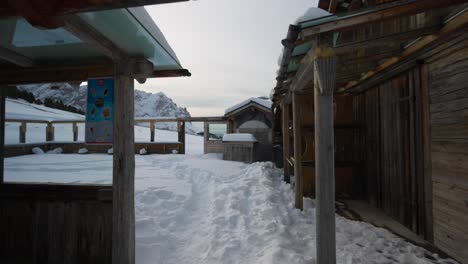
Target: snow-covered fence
52	125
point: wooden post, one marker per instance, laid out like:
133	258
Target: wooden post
297	151
324	82
285	128
50	132
75	132
22	132
152	127
206	131
181	136
123	212
2	130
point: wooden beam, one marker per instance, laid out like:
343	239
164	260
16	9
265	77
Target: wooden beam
324	156
22	132
181	135
427	156
58	8
303	77
75	131
332	6
123	212
15	58
382	12
50	132
299	178
285	129
386	39
2	130
88	34
409	55
152	130
78	73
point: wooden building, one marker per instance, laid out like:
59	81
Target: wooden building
397	110
253	116
72	41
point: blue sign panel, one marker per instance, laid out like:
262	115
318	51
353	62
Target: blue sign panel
100	111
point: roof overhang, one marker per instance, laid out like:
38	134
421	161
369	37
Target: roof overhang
88	45
367	42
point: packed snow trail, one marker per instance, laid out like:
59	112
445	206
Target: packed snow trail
200	209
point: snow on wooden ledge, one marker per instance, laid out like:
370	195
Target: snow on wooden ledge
239	137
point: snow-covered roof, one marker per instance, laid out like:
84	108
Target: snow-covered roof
266	103
239	137
312	14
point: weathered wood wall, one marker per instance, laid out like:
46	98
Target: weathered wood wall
390	146
240	151
447	83
55	224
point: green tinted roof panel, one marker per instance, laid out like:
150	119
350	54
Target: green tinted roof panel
133	36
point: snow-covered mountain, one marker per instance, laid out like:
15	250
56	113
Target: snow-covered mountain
146	104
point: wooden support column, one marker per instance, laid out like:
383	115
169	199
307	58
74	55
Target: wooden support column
324	82
152	127
181	136
75	132
297	151
123	212
285	129
22	132
2	130
206	131
50	132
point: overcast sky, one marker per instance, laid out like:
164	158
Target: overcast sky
231	47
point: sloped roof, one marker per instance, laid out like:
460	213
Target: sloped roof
265	103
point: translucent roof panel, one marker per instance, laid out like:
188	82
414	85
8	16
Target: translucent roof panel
132	30
45	46
137	36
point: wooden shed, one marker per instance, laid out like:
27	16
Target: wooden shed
72	41
253	116
397	114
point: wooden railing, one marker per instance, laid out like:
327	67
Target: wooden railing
50	129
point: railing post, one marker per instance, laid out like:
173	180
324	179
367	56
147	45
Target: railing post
22	132
181	137
50	132
75	132
152	127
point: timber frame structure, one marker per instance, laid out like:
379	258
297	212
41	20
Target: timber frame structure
45	223
392	130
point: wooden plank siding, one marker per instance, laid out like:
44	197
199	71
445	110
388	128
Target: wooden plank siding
448	105
391	149
55	224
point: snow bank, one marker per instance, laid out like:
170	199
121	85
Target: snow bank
83	151
143	151
37	150
239	137
263	102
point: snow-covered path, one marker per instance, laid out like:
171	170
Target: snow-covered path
200	209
